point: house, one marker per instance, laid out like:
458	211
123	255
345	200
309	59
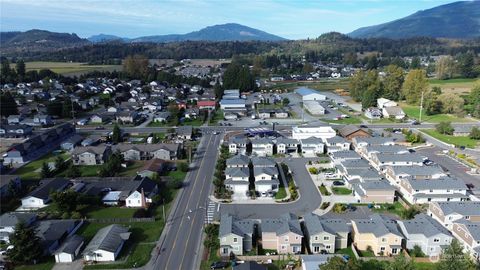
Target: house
448	212
369	150
72	142
462	131
349	132
8	221
427	233
375	191
282	234
263	162
144	151
53	232
309	94
238	145
393	112
184	132
14	119
154	166
280	113
312	146
238	161
15	131
359	142
141	195
161	117
380	233
206	104
40	196
69	250
385	103
233	104
337	143
380	160
42	120
266	179
340	156
304	132
313	262
395	174
286	145
127	117
102	118
235	235
91	155
249	265
325	234
262	147
9	184
468	234
424	191
106	244
373	113
237	179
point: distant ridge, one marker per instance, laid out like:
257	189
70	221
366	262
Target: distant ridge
455	20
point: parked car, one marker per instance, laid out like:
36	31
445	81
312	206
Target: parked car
338	183
219	265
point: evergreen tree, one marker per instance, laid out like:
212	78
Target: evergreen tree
453	258
401	263
466	65
474	99
46	172
26	245
416	63
72	171
116	134
21	70
8	106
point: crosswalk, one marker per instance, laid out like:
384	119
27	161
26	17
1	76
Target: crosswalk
212	209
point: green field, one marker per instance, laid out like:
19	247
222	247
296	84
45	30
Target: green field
396	208
341	191
321	85
281	194
69	68
32	170
459	141
110	212
414	112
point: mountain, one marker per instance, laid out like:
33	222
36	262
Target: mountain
221	32
36	36
455	20
105	38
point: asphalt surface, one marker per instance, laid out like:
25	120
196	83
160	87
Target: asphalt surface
181	240
309	200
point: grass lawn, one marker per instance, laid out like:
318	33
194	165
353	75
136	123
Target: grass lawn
365	253
109	212
414	112
89	170
281	193
347	251
48	265
456	86
140	254
425	265
32	170
212	257
194	122
453	81
132	168
460	140
396	208
69	67
341	191
321	85
177	175
324	191
216	117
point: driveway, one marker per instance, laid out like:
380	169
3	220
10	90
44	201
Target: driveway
309	200
76	265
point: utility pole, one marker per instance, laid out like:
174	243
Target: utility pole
421	108
164	218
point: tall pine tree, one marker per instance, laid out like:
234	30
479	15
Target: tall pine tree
26	245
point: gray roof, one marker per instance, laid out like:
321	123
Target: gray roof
386	149
230	224
12	218
412	157
285	224
267	170
377	225
473	228
435	184
108	238
146	147
70	245
311	140
306	91
237	172
377	185
239	140
47	185
373	140
261	141
468	208
287	141
98	150
423	224
185	130
366	174
345	154
417	170
355	163
263	162
238	160
315	225
50	231
336	140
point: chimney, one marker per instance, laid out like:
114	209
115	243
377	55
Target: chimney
142	198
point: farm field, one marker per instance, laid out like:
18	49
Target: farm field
69	68
414	112
457	86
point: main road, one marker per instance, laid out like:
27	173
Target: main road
179	245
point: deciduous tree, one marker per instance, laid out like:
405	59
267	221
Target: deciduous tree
415	83
392	84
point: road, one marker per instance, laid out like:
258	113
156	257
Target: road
309	200
180	241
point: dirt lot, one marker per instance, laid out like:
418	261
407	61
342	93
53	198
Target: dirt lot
5	143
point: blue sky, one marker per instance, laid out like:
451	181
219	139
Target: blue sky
294	19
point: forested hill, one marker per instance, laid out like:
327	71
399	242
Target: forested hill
454	20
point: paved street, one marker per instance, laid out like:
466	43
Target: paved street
181	240
309	200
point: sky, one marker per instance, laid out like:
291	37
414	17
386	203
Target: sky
294	19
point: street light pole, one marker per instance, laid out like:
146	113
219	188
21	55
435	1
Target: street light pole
164	218
421	108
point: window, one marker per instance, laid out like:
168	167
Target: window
286	238
316	249
98	255
467	217
384	240
316	238
129	201
235	240
394	250
382	248
284	247
326	238
138	201
225	251
327	246
436	240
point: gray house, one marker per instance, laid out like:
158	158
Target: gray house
238	161
325	234
235	235
91	155
427	233
71	142
166	151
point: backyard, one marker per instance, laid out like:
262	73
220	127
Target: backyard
456	140
414	112
32	170
341	191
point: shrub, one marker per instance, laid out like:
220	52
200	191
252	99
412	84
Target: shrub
313	170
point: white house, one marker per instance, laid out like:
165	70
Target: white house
393	112
237	179
69	250
40	197
106	244
448	212
312	146
262	147
445	189
304	132
384	103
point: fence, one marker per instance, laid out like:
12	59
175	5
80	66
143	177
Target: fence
119	220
